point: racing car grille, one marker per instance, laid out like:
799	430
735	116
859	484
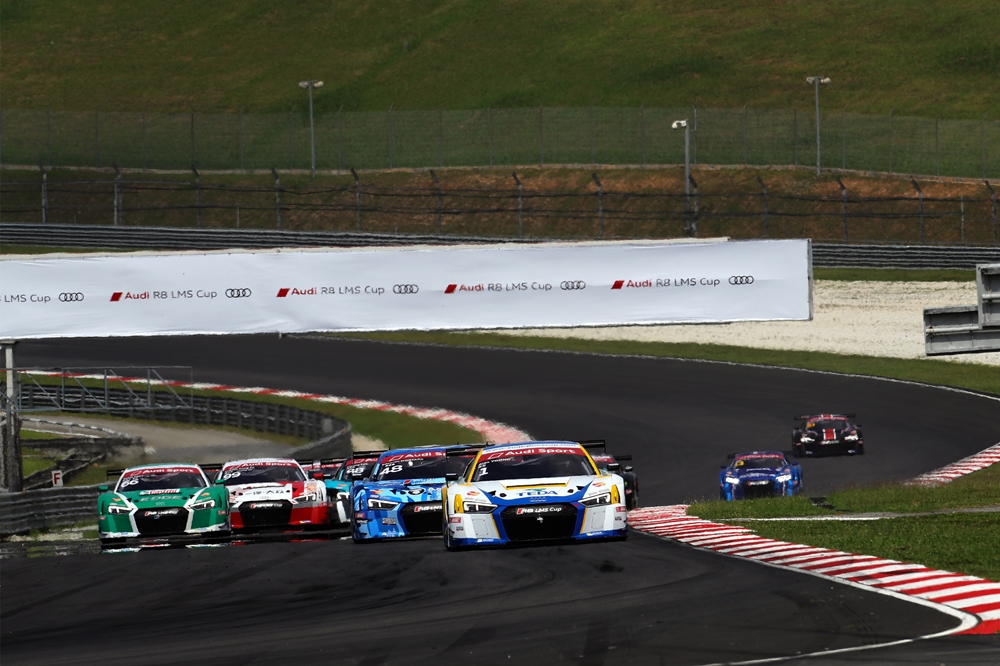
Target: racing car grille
274	513
762	490
421	518
161	522
539	521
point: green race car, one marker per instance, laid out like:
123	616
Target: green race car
164	500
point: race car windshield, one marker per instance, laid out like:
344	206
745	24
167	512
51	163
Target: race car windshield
533	466
826	425
422	468
768	462
261	474
364	468
161	481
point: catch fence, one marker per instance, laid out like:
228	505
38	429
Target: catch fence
518	210
493	137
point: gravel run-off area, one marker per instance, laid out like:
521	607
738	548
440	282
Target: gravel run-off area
867	318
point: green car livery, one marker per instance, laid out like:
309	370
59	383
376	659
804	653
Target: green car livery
162	500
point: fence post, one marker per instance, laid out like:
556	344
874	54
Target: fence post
489	130
357	192
920	208
48	135
277	196
592	158
437	183
745	133
340	140
441	137
961	226
144	162
767	224
541	134
197	192
193	154
843	138
118	180
694	193
1	135
291	140
240	138
795	135
45	195
390	134
982	141
600	204
97	137
937	150
890	139
694	131
520	205
993	200
843	205
642	127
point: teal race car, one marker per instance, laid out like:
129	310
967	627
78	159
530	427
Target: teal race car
159	501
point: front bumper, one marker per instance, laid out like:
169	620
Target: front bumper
573	522
832	447
263	514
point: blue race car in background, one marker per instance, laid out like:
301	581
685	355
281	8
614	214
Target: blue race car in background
401	496
759	474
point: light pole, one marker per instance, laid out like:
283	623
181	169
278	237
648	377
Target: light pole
309	85
687	171
815	82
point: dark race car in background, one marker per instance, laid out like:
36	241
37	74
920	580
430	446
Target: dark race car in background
827	434
620	465
759	474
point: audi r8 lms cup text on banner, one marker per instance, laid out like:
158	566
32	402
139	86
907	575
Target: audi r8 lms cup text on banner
411	288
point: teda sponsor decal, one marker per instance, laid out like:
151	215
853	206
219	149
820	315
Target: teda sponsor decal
119	296
295	291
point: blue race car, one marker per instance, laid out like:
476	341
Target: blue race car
759	474
401	497
533	491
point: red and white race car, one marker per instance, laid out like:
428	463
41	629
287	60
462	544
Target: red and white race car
274	492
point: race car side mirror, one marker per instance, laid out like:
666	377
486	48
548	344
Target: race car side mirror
103	487
451	476
220	482
628	468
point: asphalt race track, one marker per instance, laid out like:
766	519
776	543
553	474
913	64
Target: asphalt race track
641	601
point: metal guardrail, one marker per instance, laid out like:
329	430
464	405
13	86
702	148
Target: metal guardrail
50	507
166	238
967	329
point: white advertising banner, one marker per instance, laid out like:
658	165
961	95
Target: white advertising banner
421	288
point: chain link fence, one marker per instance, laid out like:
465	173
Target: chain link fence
490	137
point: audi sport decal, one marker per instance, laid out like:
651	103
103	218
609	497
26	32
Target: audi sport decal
150	471
412	455
510	452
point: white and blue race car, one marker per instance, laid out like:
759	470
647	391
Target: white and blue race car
533	491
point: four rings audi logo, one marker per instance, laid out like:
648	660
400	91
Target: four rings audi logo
405	288
70	297
741	279
572	285
238	293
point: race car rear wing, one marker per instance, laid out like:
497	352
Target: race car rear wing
803	417
114	472
364	454
470	450
591	444
211	467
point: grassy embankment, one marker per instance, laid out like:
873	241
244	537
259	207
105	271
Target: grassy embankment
882	56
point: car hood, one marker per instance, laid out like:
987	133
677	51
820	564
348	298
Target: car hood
406	490
166	497
266	491
549	488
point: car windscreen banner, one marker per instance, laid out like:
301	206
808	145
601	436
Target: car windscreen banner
416	288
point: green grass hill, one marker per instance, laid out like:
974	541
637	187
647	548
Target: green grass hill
935	59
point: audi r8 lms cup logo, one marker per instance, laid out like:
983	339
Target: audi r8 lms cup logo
404	289
238	293
740	279
572	285
71	297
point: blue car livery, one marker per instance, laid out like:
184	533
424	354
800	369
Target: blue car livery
401	497
534	492
759	474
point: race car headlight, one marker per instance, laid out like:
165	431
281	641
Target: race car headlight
733	480
119	508
206	503
381	504
478	508
853	437
310	496
807	439
781	478
604	498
